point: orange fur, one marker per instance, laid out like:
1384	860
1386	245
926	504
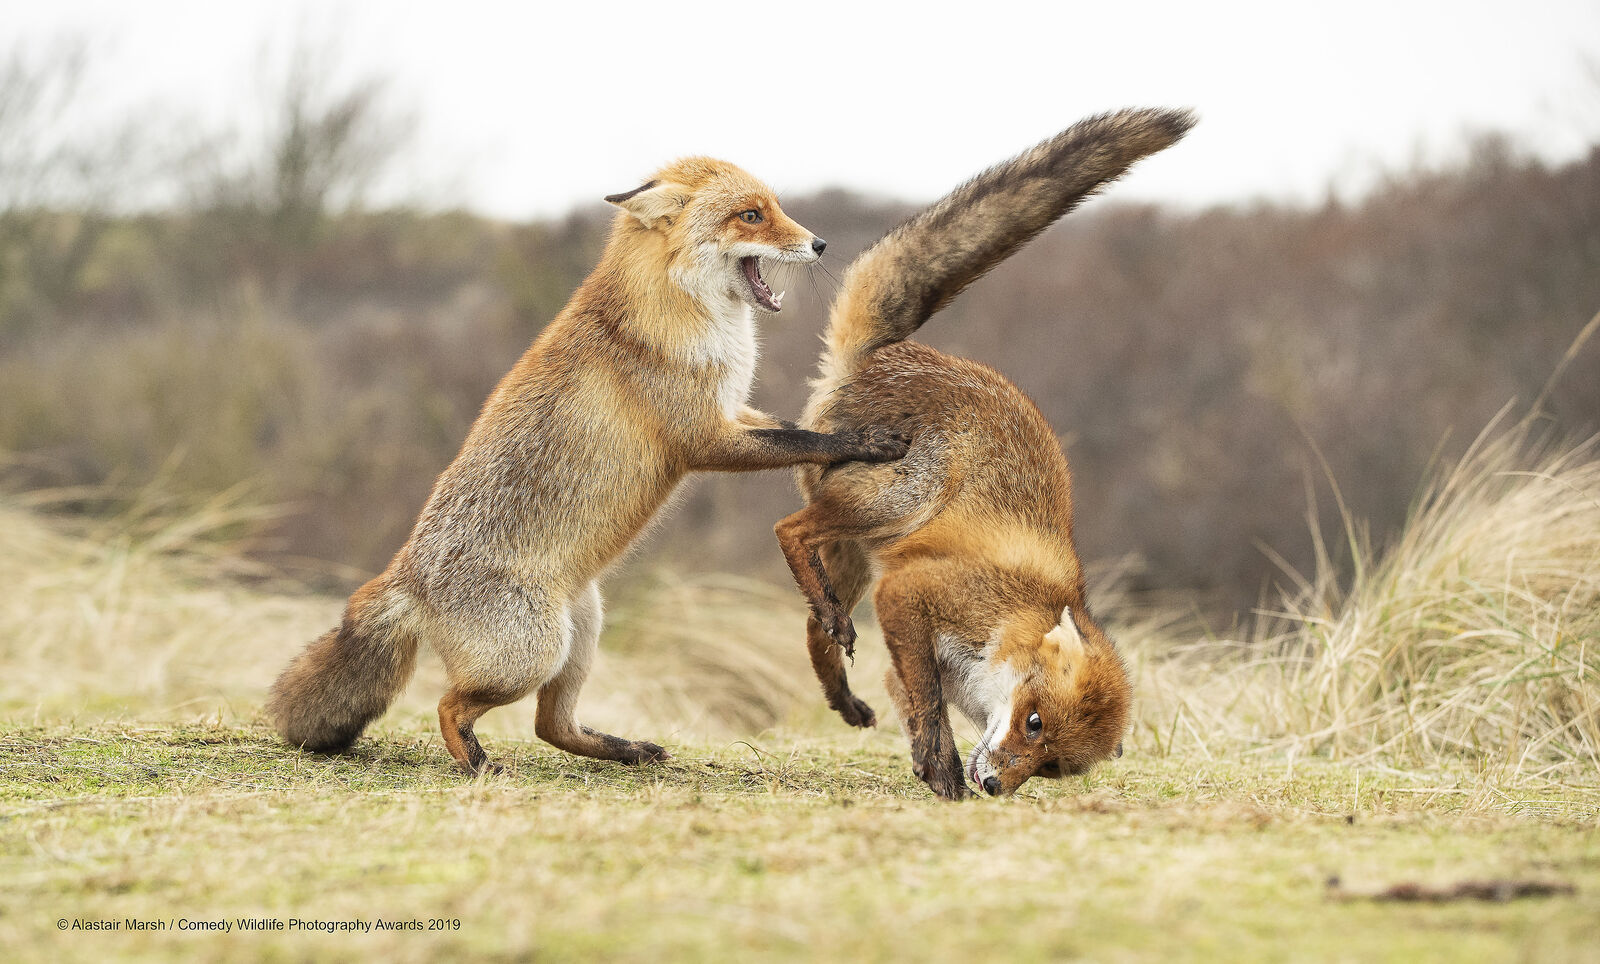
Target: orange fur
980	592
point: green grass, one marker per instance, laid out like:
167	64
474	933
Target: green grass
785	846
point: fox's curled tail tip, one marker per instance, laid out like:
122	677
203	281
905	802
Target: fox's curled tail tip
1182	120
304	727
1171	123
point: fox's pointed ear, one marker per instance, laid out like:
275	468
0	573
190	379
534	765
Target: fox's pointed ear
1066	636
652	202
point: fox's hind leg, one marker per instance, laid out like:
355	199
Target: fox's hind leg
502	640
831	569
823	545
458	711
848	503
846	565
557	722
803	537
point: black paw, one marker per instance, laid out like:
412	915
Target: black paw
639	752
855	712
879	444
947	786
842	630
945	777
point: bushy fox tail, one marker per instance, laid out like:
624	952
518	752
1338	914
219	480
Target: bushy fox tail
346	678
916	269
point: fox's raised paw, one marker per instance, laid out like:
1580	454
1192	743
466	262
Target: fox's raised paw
842	630
855	712
879	444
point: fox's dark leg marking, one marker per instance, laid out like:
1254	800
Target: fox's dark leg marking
747	450
902	703
851	502
910	638
802	537
604	746
846	563
873	444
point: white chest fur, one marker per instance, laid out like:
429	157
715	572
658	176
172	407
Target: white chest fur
728	346
973	682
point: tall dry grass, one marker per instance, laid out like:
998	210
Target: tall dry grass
1474	636
153	614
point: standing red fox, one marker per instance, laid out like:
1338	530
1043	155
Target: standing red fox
641	379
980	593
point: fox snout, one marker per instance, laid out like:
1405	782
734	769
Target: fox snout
806	251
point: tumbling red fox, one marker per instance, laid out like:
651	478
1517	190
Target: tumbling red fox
980	593
641	379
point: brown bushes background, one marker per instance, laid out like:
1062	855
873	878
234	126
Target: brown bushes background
329	357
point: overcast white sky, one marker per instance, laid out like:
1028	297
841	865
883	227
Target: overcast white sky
528	108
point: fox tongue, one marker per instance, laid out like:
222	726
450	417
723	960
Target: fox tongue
758	287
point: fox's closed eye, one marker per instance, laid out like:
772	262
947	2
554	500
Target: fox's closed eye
751	216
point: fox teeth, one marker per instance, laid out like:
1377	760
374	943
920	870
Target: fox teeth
777	299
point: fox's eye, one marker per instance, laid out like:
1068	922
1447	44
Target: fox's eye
1034	724
751	216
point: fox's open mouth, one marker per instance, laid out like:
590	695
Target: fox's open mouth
759	292
978	753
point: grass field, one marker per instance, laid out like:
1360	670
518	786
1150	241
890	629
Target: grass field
783	846
1427	727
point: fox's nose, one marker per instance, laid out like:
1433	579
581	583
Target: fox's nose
817	244
991	786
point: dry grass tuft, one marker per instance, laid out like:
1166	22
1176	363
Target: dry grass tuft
721	654
143	613
149	615
1475	636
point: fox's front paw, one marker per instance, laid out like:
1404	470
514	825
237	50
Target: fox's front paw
950	789
878	444
945	783
640	752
